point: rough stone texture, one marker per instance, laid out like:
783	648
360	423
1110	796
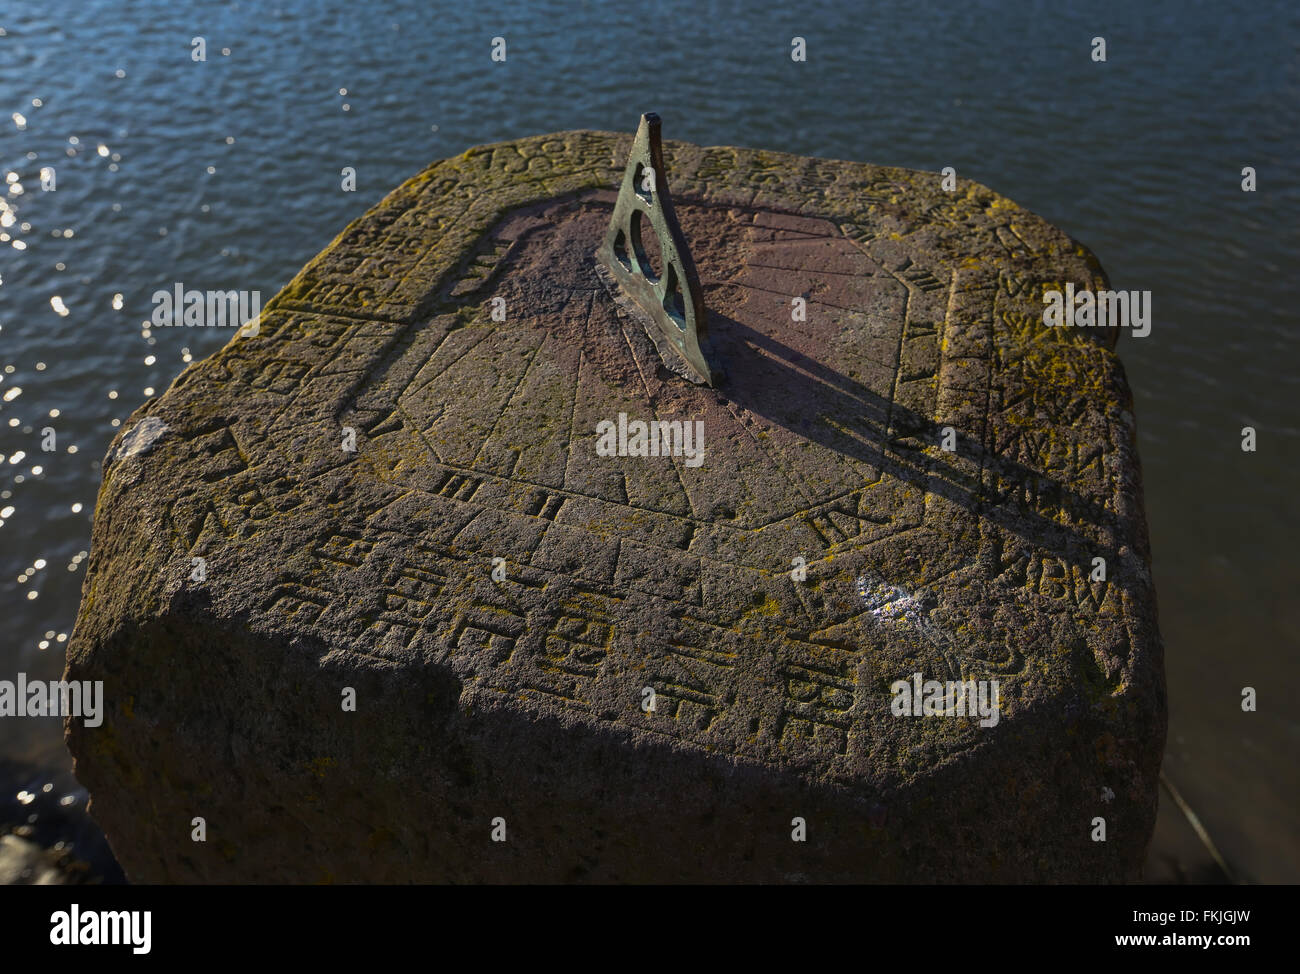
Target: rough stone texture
327	569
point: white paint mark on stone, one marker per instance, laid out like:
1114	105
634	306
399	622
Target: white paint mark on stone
141	438
885	601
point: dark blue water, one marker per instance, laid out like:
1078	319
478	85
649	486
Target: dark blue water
226	174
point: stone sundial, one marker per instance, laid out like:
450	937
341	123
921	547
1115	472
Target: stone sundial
902	471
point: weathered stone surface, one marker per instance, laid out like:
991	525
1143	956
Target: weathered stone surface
521	699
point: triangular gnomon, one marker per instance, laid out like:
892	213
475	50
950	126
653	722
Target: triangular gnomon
672	298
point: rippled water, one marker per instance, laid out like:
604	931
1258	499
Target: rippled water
225	174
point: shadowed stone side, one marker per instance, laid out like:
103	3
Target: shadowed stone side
521	699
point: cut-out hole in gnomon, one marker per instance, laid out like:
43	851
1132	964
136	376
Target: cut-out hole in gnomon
645	241
674	301
620	250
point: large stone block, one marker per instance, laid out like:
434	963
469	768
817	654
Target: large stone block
521	698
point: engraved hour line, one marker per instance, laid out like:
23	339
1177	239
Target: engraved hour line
519	384
573	418
806	237
798	270
622	327
781	467
411	390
